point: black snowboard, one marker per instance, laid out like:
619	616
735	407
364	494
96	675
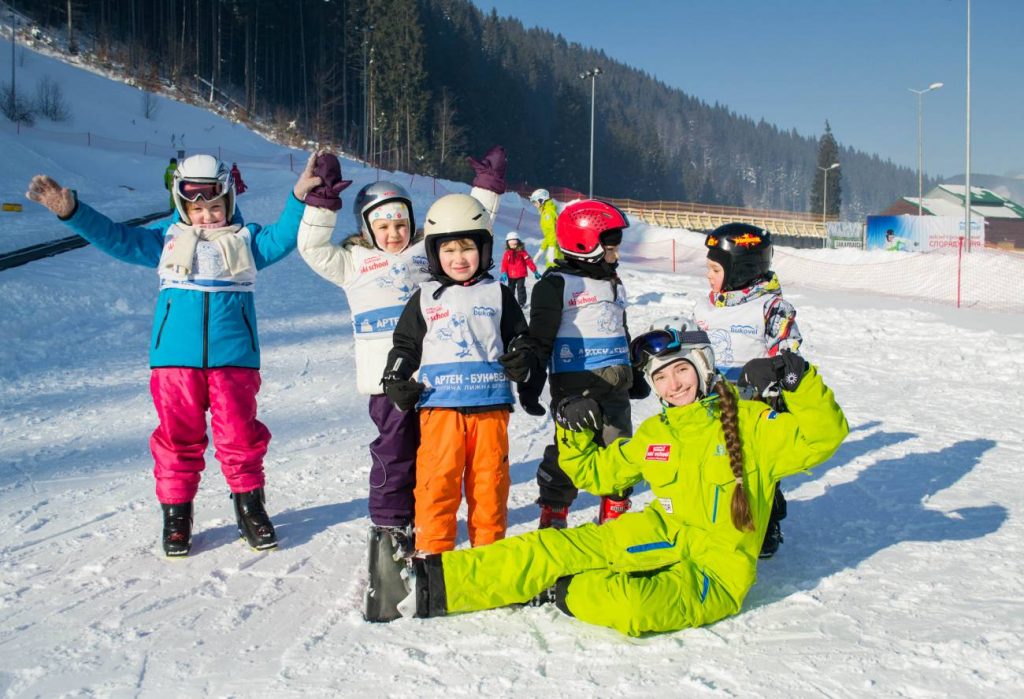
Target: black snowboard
387	572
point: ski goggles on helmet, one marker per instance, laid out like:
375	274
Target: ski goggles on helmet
657	343
207	190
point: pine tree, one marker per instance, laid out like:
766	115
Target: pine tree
828	155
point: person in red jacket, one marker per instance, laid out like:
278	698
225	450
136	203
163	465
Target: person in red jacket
236	176
514	266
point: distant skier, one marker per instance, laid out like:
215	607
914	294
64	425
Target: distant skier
515	263
169	180
690	558
746	317
204	352
545	205
236	177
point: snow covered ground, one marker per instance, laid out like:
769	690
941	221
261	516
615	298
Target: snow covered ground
901	574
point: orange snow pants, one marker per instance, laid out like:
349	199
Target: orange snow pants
457	449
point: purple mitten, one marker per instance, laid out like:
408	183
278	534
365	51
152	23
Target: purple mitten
490	172
327	195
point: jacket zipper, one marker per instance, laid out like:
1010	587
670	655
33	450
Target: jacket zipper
206	330
248	326
160	332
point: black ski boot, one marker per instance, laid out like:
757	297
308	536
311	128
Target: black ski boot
772	539
253	522
388	552
177	529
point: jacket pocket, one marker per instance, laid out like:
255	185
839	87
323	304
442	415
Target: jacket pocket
248	326
163	322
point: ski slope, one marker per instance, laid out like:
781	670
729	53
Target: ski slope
901	573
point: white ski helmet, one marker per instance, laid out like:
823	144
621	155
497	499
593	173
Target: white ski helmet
202	177
512	235
373	195
540	196
456	216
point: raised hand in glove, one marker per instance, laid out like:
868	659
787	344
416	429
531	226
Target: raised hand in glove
640	388
519	360
536	274
578	413
766	374
327	194
490	170
403	393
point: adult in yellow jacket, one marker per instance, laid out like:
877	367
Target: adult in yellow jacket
549	250
690	557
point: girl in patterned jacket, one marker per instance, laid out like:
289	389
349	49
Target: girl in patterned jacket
204	352
746	317
380	268
688	559
462	335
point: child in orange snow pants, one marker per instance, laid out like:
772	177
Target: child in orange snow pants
460	449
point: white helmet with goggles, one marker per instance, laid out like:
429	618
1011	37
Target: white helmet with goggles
202	177
656	349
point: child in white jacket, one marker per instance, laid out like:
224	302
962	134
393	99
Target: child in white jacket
379	268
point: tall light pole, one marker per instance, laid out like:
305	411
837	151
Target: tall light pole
967	172
824	188
592	74
14	40
920	146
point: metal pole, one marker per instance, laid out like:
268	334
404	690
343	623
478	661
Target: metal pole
967	174
824	193
366	140
14	39
920	157
593	89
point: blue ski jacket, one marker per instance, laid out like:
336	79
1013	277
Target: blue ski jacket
192	328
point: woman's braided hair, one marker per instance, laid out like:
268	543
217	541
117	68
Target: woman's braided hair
741	515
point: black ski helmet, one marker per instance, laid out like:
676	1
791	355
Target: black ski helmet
743	250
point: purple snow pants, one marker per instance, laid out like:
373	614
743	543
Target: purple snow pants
393	473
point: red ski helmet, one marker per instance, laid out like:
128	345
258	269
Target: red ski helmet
583	226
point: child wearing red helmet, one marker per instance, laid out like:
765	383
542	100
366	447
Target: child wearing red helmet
578	327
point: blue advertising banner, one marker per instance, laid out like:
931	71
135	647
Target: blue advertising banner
919	233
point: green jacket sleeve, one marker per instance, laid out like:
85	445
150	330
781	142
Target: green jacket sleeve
807	435
601	471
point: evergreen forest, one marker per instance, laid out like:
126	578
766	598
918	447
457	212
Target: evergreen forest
418	85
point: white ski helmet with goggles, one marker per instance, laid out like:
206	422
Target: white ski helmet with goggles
202	177
452	217
540	196
656	349
373	195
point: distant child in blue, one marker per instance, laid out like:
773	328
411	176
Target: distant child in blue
204	351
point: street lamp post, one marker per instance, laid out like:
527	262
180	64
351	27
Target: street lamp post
824	188
920	138
592	74
967	168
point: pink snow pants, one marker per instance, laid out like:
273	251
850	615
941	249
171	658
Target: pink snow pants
182	396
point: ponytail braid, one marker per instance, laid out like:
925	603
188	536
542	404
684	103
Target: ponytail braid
741	516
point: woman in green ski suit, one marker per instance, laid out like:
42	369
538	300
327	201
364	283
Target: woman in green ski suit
690	557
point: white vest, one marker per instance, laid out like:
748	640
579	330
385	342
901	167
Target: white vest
209	273
592	333
459	364
377	293
736	332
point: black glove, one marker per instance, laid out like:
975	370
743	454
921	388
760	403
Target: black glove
404	393
767	375
577	413
519	360
640	388
530	402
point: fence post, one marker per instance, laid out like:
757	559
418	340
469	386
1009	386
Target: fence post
291	165
520	221
88	138
673	255
959	268
411	178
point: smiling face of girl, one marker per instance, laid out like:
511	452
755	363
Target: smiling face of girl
676	383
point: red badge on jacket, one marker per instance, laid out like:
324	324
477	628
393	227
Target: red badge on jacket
658	452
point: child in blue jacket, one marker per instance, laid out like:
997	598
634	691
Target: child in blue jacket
204	351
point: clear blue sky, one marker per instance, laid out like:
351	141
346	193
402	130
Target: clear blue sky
799	62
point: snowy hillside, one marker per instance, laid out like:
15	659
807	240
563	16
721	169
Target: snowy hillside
901	573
